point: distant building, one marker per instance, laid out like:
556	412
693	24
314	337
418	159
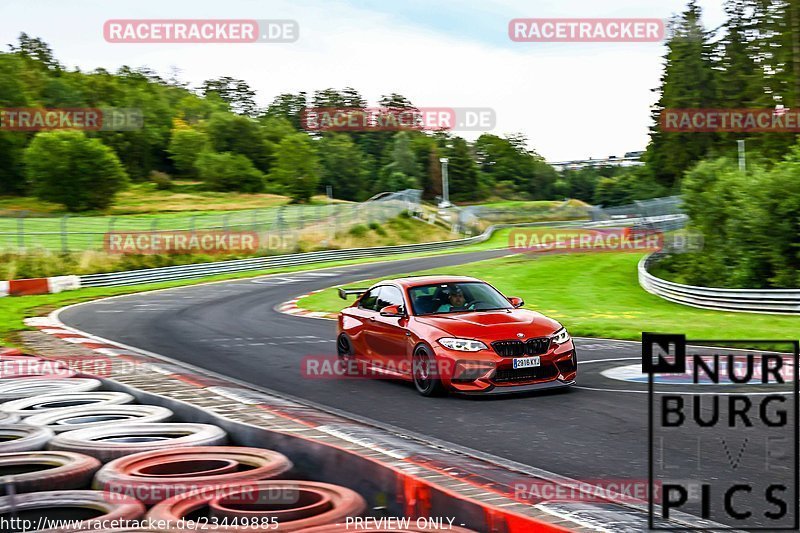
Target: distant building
630	159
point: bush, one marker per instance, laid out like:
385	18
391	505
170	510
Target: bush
229	172
750	224
68	168
359	230
185	146
297	167
161	180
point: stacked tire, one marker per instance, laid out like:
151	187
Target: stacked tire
69	451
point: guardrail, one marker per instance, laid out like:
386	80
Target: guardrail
783	301
198	270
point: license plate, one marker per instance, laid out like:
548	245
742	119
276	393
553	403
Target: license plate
527	362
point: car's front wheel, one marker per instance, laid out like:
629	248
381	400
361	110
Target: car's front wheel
426	373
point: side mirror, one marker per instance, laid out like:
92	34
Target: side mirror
516	302
393	310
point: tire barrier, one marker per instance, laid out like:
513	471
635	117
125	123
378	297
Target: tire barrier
88	506
27	366
276	505
61	420
154	476
108	443
39	471
47	403
23	438
14	389
8	418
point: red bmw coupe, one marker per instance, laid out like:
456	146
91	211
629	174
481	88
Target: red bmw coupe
454	333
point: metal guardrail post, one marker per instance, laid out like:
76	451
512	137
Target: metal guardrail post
64	243
21	231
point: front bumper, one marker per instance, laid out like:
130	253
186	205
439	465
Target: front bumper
558	369
519	389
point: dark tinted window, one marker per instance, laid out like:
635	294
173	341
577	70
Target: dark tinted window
370	299
477	296
389	296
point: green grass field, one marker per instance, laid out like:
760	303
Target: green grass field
144	198
536	205
142	207
598	295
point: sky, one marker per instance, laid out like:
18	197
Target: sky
571	100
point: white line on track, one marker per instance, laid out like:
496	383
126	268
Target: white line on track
655	391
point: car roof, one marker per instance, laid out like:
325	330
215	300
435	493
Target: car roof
414	281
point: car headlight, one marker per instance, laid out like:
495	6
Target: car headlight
561	336
462	345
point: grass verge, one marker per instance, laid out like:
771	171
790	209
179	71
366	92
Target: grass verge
598	295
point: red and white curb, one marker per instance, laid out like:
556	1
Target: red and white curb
27	287
291	308
52	327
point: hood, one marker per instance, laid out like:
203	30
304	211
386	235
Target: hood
493	325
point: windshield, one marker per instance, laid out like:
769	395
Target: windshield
456	298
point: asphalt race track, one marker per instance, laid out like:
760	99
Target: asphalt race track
595	431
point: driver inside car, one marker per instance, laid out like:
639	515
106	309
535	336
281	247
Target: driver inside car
456	301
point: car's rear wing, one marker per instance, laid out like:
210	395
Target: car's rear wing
344	293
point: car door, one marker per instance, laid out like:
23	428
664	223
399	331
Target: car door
388	334
364	316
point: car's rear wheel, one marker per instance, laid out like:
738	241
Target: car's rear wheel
425	373
343	347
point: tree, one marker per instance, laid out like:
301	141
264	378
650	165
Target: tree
36	51
274	129
240	135
509	160
581	183
68	168
12	144
185	146
621	186
297	167
687	82
462	171
236	93
229	172
402	171
342	167
289	106
346	98
426	151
